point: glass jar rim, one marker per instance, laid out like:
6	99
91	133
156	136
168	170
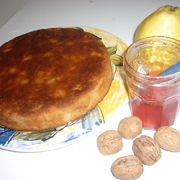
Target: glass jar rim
156	80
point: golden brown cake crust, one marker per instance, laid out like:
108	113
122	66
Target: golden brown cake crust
50	77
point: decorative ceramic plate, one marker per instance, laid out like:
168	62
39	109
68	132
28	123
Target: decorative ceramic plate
91	122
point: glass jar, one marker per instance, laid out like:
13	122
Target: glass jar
154	99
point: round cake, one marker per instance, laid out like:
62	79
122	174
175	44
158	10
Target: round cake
50	77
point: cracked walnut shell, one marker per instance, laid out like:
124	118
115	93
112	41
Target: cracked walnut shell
109	142
147	149
127	168
130	127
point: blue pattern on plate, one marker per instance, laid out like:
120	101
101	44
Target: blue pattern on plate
6	135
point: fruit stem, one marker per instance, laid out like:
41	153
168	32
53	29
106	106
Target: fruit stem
172	9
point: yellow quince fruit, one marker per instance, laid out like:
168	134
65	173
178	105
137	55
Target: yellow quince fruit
165	21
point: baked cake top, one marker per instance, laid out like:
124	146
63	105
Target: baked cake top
49	68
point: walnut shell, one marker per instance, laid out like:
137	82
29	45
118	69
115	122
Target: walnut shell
109	142
168	138
127	168
147	149
130	127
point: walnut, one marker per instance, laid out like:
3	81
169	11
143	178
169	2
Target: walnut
109	142
130	127
147	149
168	138
127	168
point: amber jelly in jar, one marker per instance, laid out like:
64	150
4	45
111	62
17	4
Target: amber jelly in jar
154	99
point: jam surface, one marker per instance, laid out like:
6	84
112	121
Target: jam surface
156	113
